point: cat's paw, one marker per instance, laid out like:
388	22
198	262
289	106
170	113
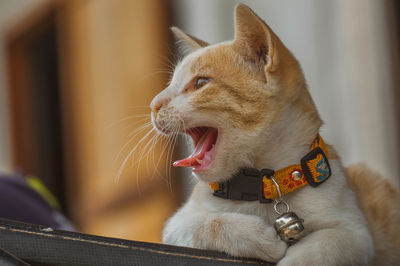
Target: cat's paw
268	246
247	236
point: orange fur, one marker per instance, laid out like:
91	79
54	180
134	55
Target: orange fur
224	90
380	202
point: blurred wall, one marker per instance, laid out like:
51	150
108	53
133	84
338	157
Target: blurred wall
5	151
112	60
112	52
343	49
8	10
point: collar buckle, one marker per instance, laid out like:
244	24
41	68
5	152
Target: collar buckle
246	185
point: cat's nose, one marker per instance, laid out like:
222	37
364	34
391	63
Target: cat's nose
157	106
162	99
158	103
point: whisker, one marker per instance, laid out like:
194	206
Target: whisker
131	138
143	152
176	134
157	72
168	161
164	147
134	132
162	150
130	154
139	106
157	138
150	150
143	118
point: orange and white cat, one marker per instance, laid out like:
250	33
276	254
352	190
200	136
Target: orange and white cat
245	103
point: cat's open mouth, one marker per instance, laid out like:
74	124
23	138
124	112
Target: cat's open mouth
205	139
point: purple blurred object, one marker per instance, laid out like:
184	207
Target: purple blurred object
18	201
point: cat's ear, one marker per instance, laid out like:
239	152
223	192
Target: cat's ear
254	39
186	42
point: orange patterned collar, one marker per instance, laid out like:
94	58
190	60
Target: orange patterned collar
251	184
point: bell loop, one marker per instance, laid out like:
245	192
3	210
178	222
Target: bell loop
279	201
284	204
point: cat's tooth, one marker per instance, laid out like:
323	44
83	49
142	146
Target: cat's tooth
199	161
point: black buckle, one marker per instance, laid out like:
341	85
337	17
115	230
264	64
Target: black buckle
246	185
307	173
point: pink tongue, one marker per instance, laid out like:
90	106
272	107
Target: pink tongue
203	145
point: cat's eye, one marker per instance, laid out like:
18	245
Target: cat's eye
201	82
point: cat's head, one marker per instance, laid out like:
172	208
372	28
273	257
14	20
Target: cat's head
234	98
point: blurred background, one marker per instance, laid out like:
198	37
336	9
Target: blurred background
77	76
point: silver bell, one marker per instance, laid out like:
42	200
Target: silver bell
289	227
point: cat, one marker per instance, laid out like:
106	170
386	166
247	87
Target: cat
246	105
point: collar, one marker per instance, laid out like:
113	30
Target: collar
250	184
